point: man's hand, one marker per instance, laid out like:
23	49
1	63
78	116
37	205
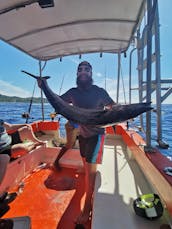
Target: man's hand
109	106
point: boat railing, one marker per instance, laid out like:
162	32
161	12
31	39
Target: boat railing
149	79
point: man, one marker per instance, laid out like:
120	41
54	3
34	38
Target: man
17	139
91	138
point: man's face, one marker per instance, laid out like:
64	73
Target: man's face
84	72
84	76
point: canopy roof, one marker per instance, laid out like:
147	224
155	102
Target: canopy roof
70	27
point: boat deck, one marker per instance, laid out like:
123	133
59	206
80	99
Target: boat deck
54	199
51	199
119	182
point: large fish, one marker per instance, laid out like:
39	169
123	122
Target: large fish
96	117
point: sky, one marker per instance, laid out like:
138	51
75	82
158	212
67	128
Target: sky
63	74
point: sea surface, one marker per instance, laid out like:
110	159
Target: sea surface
12	113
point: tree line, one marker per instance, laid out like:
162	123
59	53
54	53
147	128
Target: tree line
5	98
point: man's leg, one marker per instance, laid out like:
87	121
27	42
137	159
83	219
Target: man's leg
90	174
71	135
4	160
91	151
61	153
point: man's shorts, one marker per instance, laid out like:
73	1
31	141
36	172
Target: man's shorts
92	148
71	135
15	140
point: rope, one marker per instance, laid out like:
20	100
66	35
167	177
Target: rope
44	66
123	85
61	85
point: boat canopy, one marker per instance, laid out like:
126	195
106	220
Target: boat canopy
69	27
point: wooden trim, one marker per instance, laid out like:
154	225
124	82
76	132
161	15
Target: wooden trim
158	181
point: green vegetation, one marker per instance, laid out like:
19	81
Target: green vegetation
4	98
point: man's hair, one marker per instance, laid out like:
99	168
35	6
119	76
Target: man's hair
85	63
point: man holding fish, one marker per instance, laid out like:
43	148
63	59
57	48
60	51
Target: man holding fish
91	138
92	109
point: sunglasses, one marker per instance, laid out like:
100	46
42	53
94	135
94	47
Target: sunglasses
86	69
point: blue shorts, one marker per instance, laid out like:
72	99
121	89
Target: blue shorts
92	148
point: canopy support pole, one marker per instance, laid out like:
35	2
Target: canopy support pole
42	100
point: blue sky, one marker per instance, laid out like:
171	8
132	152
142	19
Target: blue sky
15	83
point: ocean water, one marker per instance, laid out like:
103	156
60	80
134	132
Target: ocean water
12	113
166	129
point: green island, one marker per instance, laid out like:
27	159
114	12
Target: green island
5	98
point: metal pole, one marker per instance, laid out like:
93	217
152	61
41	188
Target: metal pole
118	81
42	101
158	77
149	73
130	64
140	47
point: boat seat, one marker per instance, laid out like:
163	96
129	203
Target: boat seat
72	159
21	153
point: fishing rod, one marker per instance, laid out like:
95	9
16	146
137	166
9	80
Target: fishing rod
35	77
27	114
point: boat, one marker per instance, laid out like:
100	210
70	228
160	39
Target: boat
131	167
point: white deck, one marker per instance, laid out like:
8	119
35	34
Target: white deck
119	181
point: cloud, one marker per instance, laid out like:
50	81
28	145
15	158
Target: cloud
10	90
98	74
